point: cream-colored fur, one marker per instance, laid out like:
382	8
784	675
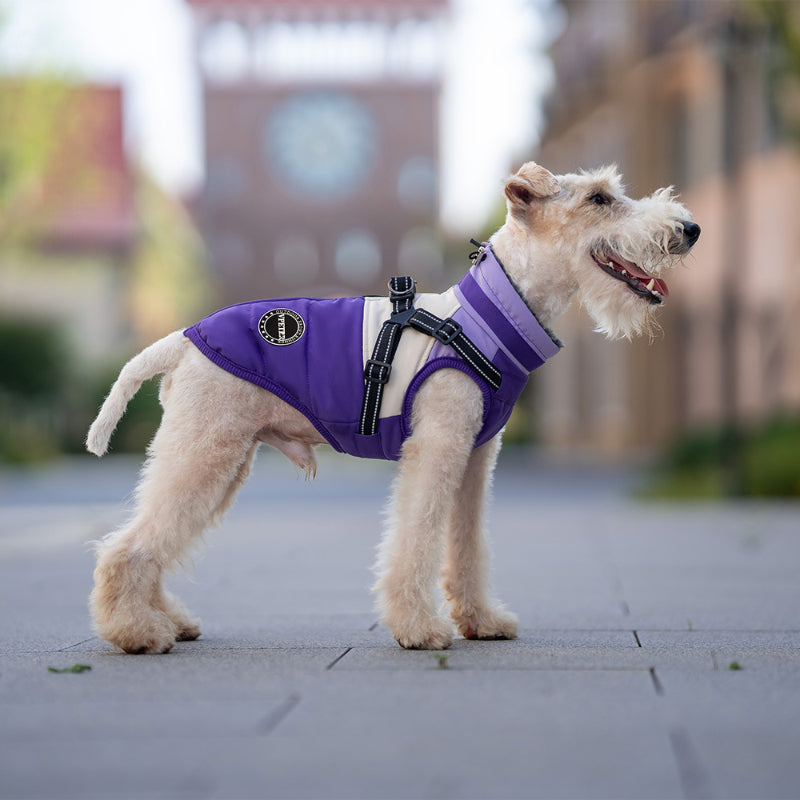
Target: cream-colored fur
213	423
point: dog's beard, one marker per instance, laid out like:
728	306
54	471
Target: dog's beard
616	311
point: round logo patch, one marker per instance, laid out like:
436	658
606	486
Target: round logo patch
281	326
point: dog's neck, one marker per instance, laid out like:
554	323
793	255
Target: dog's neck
546	286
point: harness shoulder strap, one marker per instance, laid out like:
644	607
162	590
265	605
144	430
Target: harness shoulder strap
378	369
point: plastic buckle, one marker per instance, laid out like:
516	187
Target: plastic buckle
447	338
385	370
403	318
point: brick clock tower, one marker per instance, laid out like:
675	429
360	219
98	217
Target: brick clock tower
321	143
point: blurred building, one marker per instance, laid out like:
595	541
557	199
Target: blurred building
683	94
321	143
68	225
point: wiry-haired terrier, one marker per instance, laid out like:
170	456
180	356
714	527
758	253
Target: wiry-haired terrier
429	379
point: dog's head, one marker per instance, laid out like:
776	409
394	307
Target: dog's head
582	234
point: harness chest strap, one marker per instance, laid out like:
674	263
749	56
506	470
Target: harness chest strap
378	369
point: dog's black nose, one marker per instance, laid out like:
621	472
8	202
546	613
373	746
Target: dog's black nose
691	232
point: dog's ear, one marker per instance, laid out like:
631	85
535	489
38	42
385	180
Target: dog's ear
529	183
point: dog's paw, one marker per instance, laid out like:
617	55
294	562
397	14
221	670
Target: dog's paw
187	628
148	646
152	633
140	642
435	634
490	624
188	633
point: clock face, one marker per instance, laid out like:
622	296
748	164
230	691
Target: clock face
321	142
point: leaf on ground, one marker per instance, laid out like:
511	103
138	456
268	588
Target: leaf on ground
73	668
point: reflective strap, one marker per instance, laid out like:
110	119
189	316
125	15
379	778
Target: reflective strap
378	369
449	332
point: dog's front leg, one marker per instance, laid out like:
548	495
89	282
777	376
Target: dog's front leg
447	416
465	578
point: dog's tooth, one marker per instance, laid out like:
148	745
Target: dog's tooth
651	285
625	272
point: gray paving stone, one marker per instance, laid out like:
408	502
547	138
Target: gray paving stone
181	675
548	736
526	655
786	641
293	693
276	632
744	728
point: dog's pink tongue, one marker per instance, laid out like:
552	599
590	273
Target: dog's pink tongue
659	286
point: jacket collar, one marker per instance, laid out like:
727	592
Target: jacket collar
487	290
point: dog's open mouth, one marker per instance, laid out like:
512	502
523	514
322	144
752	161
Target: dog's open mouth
654	290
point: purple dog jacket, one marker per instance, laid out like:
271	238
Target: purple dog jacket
311	353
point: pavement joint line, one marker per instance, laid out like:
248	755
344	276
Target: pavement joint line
693	776
338	659
657	685
278	715
77	644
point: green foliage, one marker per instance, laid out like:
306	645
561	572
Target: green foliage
170	279
441	660
29	111
772	460
32	358
33	370
762	462
74	669
46	407
782	20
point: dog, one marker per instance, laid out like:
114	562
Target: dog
574	235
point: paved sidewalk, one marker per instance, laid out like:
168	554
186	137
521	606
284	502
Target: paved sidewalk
619	686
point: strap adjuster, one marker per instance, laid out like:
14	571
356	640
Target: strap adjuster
447	337
384	371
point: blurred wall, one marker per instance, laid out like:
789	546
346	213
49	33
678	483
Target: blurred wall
683	94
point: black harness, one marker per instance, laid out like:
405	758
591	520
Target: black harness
378	369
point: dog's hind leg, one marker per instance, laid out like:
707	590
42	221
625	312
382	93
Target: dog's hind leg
466	575
239	479
187	626
199	456
432	467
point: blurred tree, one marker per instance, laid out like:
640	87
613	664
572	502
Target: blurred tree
30	109
783	20
33	364
170	281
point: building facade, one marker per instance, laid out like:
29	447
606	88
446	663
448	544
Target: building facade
682	94
321	143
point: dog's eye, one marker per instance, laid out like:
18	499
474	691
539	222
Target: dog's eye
600	199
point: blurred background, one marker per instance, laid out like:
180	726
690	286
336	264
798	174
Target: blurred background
163	158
